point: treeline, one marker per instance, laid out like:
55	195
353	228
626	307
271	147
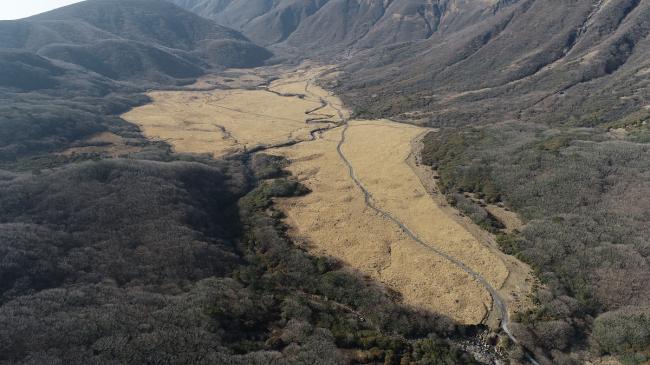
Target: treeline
584	195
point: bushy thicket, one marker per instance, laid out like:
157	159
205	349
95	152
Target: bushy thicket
475	212
109	254
584	194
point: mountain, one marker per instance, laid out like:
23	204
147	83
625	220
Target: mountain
535	59
457	61
27	71
132	40
329	26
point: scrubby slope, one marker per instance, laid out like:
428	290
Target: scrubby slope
124	60
27	71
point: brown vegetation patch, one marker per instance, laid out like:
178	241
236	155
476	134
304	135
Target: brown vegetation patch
378	150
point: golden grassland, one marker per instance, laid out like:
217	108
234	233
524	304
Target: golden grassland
220	122
334	219
378	151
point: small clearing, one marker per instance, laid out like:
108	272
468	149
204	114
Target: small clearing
104	144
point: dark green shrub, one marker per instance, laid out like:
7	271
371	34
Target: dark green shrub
622	331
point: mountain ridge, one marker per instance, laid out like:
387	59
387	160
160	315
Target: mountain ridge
509	61
456	61
339	25
135	40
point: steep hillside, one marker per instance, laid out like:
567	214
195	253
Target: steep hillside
585	61
329	26
124	60
146	40
27	71
463	61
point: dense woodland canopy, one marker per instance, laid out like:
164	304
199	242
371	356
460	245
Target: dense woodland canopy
177	261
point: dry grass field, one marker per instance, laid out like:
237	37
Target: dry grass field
294	83
378	151
334	219
220	122
519	282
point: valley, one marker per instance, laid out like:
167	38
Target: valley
368	206
325	182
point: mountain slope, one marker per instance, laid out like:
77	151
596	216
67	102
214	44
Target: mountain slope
453	61
146	40
143	255
536	59
124	60
27	71
328	26
147	21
